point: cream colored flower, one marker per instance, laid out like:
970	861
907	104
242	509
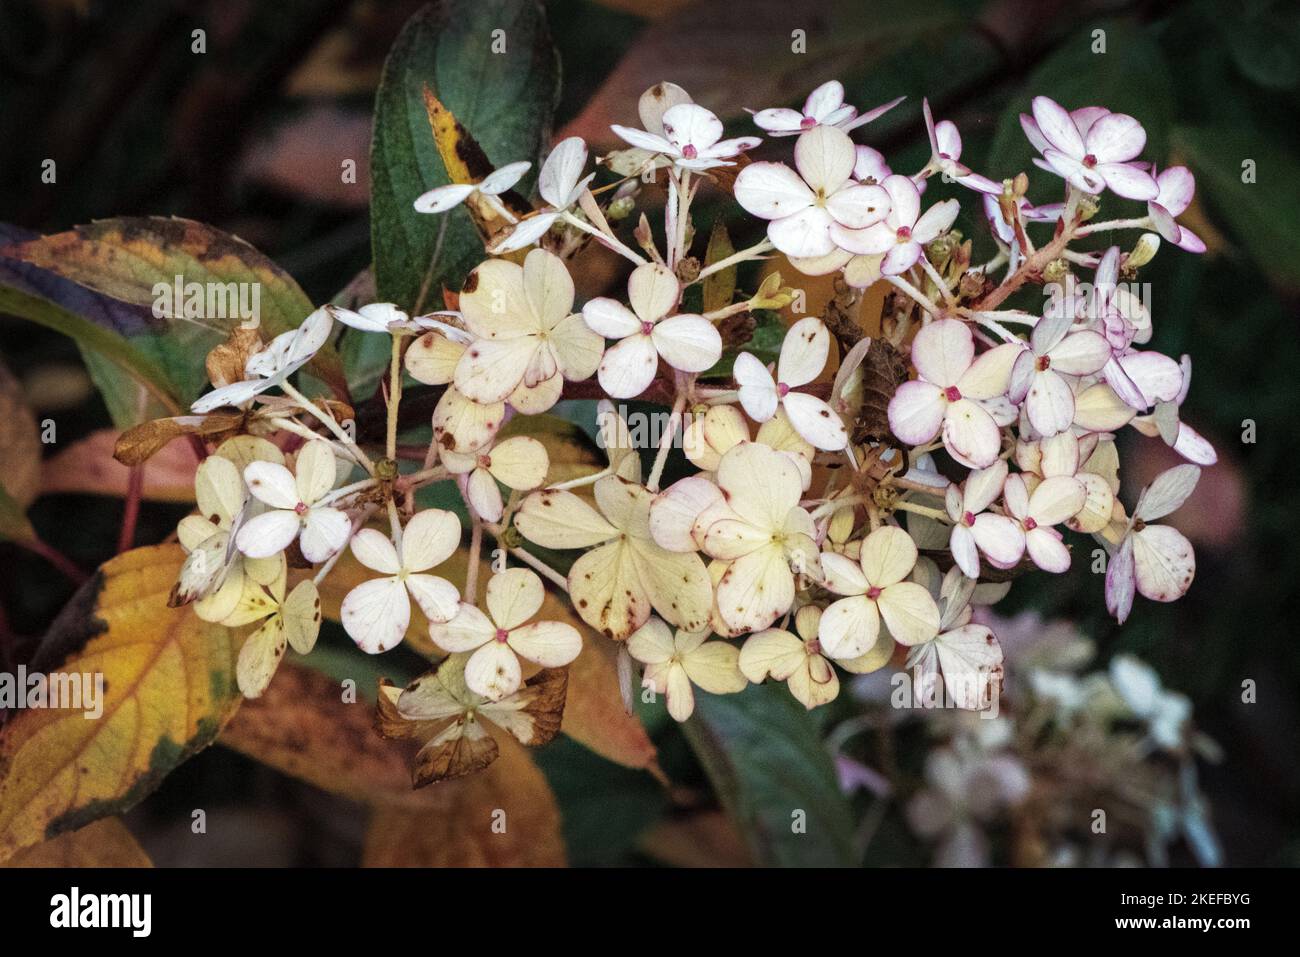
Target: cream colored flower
876	589
625	573
501	637
675	662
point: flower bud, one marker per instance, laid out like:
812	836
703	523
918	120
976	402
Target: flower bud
1144	251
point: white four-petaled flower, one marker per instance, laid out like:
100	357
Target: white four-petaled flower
501	637
647	332
377	612
294	498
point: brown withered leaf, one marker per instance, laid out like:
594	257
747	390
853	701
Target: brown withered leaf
142	442
452	721
504	817
225	362
883	370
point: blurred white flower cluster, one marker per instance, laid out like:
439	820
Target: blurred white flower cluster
1078	768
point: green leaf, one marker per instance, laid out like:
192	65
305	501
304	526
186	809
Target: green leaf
1131	76
104	343
504	99
134	259
1262	212
762	752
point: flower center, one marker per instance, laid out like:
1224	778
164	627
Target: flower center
689	151
502	635
814	647
647	328
1030	524
952	393
782	389
807	123
1043	363
1090	161
485	461
300	508
904	234
968	519
873	592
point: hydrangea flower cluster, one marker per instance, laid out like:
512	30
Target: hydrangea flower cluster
970	433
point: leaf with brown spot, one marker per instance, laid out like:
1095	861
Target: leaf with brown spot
302	727
168	688
102	843
126	257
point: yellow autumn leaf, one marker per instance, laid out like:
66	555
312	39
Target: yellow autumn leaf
102	843
505	816
167	687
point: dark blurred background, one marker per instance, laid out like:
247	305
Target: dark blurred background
250	136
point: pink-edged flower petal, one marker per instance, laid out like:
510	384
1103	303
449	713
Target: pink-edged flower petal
936	220
916	412
688	342
1049	403
904	199
1057	127
872	241
824	100
1128	181
824	157
870	164
1081	353
779	120
628	368
1177	187
804	351
1164	563
900	259
1115	138
1000	538
642	140
691	124
757	388
803	234
1047	550
772	190
1121	581
942	351
815	421
858	207
970	435
610	318
1157	376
